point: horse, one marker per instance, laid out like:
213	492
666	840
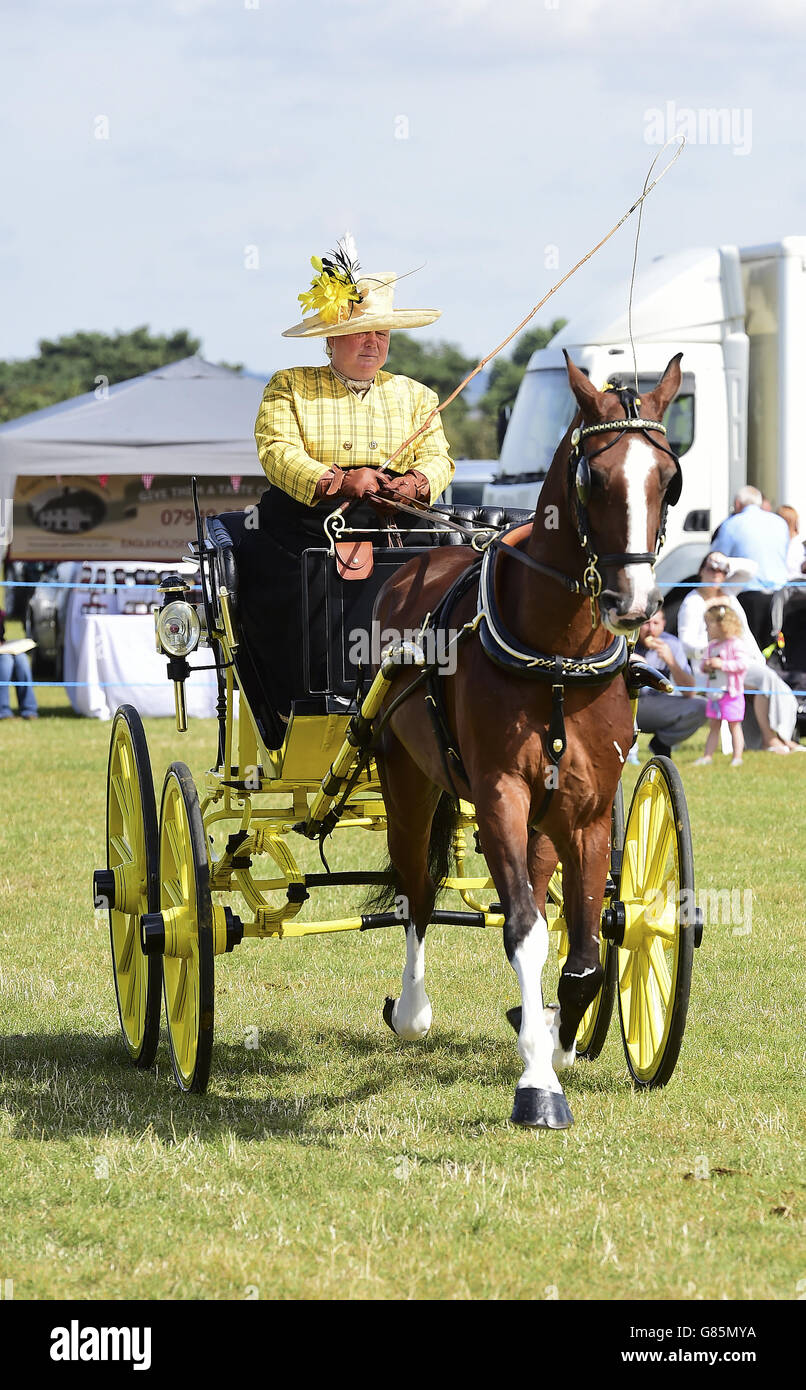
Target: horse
540	759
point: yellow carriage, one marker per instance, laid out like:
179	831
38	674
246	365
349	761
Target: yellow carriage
170	867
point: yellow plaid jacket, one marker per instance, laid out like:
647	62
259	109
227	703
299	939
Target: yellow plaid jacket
308	421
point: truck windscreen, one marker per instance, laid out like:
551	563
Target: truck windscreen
544	409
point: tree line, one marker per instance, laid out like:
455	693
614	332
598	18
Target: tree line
72	364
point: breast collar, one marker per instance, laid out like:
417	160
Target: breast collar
502	647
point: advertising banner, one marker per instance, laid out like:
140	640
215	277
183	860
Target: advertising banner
142	517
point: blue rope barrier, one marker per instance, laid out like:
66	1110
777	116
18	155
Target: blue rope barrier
108	587
134	685
102	586
87	685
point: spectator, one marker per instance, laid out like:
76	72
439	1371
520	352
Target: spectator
761	536
774	707
669	718
15	668
724	666
795	554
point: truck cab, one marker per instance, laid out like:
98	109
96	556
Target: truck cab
690	302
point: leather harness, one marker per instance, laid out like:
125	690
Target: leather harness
505	650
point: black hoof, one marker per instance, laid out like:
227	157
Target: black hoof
514	1017
388	1005
541	1109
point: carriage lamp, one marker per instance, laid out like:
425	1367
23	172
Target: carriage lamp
178	628
178	633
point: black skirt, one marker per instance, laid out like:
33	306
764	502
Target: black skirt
271	590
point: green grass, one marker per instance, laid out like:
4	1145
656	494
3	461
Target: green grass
333	1161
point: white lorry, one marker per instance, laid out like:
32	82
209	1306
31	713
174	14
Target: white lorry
738	314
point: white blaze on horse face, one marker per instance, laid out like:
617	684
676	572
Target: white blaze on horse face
638	465
411	1016
535	1043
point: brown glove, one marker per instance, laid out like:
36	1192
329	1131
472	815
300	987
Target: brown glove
348	484
328	485
403	487
358	482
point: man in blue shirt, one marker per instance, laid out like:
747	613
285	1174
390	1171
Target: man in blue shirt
669	718
756	535
763	537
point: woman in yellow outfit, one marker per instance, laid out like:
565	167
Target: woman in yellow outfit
324	435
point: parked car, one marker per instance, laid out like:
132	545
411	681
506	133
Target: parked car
44	619
28	573
469	481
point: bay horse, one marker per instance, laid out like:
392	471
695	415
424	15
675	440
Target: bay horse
540	759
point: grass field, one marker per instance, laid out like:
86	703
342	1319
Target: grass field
334	1162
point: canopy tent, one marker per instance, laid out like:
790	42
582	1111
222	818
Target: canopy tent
188	417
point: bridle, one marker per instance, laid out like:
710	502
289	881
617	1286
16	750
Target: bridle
579	487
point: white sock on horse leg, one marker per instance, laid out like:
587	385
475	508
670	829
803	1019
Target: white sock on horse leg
535	1043
411	1016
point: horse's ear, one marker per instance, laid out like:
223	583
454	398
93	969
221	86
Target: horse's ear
668	386
588	398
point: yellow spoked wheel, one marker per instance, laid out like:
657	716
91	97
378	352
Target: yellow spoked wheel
656	951
130	885
595	1021
187	919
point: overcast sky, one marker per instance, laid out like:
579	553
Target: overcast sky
176	162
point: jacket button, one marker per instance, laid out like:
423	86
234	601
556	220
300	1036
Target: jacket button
347	444
372	444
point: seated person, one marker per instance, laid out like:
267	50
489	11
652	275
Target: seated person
772	709
669	718
329	435
15	669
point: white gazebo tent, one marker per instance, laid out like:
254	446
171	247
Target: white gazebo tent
188	417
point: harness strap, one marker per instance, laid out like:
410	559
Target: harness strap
555	741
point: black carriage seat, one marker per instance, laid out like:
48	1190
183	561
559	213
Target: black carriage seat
225	533
331	676
480	518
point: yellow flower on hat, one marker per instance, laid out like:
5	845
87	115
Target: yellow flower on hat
332	291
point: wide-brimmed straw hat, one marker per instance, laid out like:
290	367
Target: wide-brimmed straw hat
374	312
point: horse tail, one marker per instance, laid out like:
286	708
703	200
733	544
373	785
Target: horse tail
440	845
440	859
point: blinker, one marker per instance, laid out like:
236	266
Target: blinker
583	480
675	487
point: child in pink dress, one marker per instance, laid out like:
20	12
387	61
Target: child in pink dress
725	654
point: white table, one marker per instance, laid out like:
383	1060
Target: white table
114	658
